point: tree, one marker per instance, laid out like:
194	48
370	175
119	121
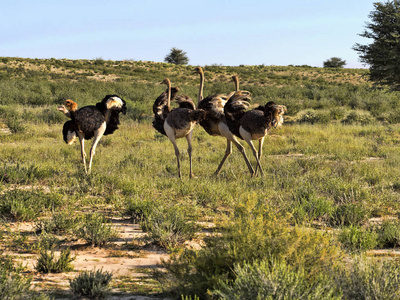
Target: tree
177	57
383	54
334	62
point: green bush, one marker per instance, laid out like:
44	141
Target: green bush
94	230
389	234
275	280
13	285
168	227
139	209
254	233
47	263
355	238
358	117
25	205
364	278
307	206
348	214
91	284
61	222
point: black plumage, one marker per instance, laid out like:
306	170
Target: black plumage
92	121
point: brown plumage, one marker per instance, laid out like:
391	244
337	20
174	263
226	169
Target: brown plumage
214	122
255	124
177	123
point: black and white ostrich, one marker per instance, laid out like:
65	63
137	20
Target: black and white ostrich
214	123
178	122
91	121
253	124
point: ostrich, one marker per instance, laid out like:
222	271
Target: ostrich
91	121
254	124
214	123
176	123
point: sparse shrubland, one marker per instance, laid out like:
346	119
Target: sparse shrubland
328	199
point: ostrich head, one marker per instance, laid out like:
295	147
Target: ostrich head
276	113
166	81
71	105
114	102
198	70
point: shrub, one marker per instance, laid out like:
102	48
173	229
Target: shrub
91	284
349	214
308	206
355	238
308	116
254	233
47	262
138	209
14	286
275	280
58	223
358	117
27	205
389	234
369	279
94	230
168	227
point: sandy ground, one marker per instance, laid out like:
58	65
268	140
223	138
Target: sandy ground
126	260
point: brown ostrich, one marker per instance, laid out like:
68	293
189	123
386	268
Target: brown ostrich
214	123
91	121
254	124
178	122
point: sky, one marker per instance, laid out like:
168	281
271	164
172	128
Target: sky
222	32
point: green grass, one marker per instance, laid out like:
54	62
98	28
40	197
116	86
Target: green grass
333	164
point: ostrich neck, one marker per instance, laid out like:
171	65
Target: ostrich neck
169	96
200	96
107	115
236	84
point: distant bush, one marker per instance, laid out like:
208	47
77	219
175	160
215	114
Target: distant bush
359	117
312	116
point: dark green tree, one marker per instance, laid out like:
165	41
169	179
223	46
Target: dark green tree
177	57
334	62
383	54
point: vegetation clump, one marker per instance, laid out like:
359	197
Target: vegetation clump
95	231
91	284
47	263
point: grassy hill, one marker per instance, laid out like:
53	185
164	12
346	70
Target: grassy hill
322	222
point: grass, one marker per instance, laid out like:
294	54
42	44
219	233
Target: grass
333	165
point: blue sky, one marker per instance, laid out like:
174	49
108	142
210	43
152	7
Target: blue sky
248	32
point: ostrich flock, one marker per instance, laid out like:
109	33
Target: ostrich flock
223	115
